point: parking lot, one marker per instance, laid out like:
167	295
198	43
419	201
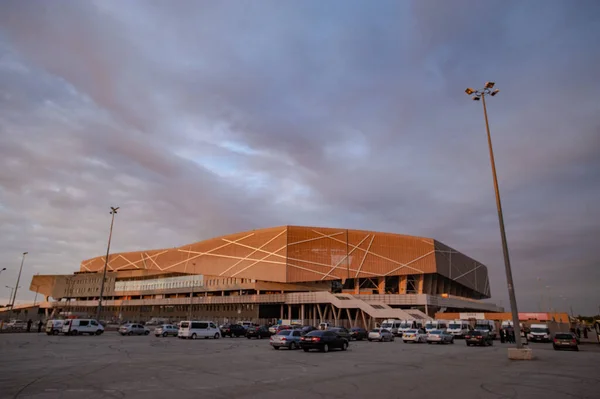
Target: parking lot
112	366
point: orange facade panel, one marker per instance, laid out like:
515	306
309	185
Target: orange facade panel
305	254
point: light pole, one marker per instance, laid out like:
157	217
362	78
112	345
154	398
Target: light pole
12	304
477	95
11	292
113	212
3	269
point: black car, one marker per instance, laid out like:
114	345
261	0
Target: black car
233	330
341	331
482	338
323	341
358	333
258	332
306	329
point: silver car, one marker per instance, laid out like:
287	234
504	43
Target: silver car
166	330
133	329
381	335
440	337
286	339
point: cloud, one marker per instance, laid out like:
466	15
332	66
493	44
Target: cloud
200	119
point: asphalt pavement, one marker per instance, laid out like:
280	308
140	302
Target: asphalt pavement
111	366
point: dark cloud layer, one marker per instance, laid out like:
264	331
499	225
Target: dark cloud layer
205	118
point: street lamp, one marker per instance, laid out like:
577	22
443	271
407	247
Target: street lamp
11	292
14	296
3	269
477	95
113	212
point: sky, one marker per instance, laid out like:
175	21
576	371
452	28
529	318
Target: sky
203	118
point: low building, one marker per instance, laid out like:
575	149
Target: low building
347	277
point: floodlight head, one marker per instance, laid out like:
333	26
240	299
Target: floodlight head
476	98
469	91
494	92
113	209
489	85
25	253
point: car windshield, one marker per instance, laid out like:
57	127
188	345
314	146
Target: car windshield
356	329
539	330
436	332
405	325
454	326
412	331
375	330
284	332
563	336
429	325
184	324
315	333
386	325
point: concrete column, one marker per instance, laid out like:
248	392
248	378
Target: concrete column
420	283
302	313
402	287
289	315
381	285
281	312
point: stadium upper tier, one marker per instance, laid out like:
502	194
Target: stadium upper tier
292	254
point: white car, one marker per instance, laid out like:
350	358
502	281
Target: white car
380	334
165	330
416	336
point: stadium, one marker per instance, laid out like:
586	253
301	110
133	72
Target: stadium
310	274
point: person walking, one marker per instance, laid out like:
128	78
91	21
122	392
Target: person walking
29	323
502	335
40	325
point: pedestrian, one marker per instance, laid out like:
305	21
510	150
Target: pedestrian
40	325
29	323
502	336
585	331
578	332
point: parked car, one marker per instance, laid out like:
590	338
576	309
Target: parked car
282	327
482	338
15	324
82	326
273	329
54	327
381	335
440	337
198	329
166	330
233	330
286	339
323	341
565	340
358	333
416	336
341	331
258	332
133	329
306	329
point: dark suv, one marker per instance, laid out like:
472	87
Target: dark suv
233	330
482	338
258	332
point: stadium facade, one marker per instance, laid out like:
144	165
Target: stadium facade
348	277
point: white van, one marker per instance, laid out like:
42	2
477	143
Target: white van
436	325
539	332
54	327
486	325
392	326
82	326
459	328
246	324
406	325
198	329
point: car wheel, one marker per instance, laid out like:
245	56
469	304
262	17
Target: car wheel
305	349
576	349
74	332
216	336
55	332
468	344
130	333
194	336
146	332
344	346
325	348
452	341
164	334
99	332
555	347
405	341
248	337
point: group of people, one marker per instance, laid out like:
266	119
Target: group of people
507	335
40	324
